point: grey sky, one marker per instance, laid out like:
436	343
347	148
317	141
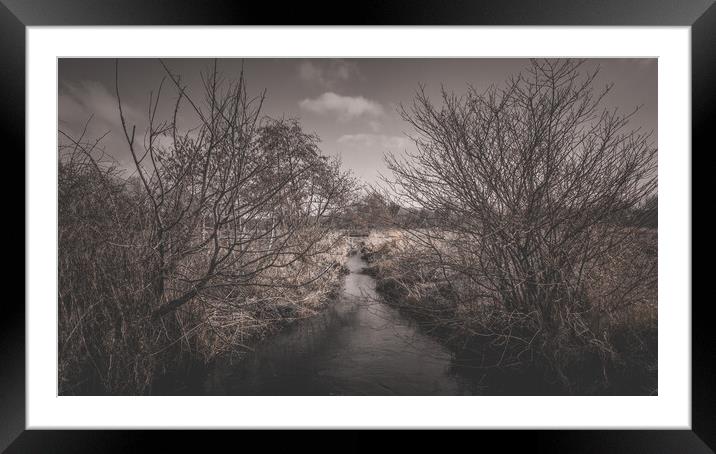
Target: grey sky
350	104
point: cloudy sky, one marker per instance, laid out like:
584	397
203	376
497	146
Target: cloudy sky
351	104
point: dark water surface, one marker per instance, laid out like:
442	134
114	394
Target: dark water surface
357	346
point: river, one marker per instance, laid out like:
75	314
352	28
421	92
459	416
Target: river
357	346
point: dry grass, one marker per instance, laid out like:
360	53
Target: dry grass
610	348
108	341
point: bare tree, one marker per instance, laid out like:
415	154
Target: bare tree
527	187
233	197
221	226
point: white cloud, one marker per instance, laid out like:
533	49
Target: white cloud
381	142
328	72
345	107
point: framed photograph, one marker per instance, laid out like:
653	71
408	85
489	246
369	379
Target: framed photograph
456	217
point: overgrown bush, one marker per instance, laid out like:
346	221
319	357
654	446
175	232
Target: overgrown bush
222	234
531	194
614	351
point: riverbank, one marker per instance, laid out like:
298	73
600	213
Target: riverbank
259	324
225	323
501	347
358	345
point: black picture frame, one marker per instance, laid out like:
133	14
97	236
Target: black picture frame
16	15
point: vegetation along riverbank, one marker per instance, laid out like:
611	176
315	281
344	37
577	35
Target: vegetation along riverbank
511	227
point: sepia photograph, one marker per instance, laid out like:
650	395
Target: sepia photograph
357	226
